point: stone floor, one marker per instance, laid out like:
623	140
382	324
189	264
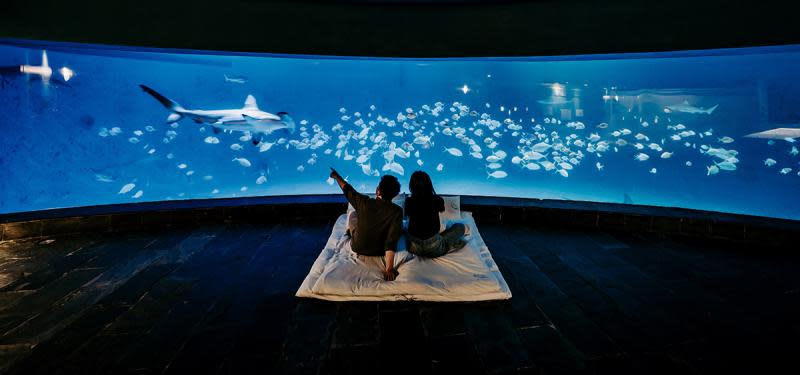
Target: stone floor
220	299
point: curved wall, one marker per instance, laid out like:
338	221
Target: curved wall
666	129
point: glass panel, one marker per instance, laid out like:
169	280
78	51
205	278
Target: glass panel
89	125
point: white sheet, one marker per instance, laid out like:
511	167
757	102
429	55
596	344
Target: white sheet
469	274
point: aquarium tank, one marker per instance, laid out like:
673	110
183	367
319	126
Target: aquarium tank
86	125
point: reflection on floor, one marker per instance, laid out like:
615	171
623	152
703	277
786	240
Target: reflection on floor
220	300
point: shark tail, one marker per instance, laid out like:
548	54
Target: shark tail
711	110
286	119
167	103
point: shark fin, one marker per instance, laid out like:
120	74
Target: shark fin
166	102
711	110
44	59
250	103
173	117
257	138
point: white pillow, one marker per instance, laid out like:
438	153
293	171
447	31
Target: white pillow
452	211
399	200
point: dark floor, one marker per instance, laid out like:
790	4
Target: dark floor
221	300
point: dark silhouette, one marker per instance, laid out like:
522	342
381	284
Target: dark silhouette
422	209
376	224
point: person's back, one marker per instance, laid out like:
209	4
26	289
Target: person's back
376	224
423	208
379	223
423	215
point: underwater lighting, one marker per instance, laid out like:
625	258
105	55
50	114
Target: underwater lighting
67	73
558	89
465	89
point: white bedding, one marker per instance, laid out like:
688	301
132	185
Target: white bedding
469	274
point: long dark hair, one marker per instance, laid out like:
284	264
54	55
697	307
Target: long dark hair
420	185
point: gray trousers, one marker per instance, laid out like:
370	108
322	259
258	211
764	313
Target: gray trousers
451	239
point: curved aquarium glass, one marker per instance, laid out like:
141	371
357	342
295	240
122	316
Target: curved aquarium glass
90	125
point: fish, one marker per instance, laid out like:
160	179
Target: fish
182	166
725	140
666	155
127	188
494	165
440	167
786	170
641	156
602	125
565	165
249	118
301	168
265	146
688	163
419	162
563	172
260	180
212	140
713	169
777	133
492	159
138	194
453	151
102	178
242	161
541	147
726	165
685	107
769	162
235	79
599	166
793	151
653	171
532	166
329	181
496	174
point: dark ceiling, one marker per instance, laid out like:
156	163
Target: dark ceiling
407	28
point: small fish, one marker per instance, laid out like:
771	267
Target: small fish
453	151
786	170
494	166
688	163
262	179
182	166
236	147
138	194
666	155
127	188
532	166
419	162
713	169
440	167
497	174
602	125
599	166
330	181
102	178
641	156
563	172
235	79
301	168
653	171
725	140
769	162
212	140
242	161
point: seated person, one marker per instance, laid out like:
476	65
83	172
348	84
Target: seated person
422	209
376	225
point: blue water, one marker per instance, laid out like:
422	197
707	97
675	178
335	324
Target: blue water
99	139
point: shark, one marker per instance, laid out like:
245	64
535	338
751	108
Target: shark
685	107
249	118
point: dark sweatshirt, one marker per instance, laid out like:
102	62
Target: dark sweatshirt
379	226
